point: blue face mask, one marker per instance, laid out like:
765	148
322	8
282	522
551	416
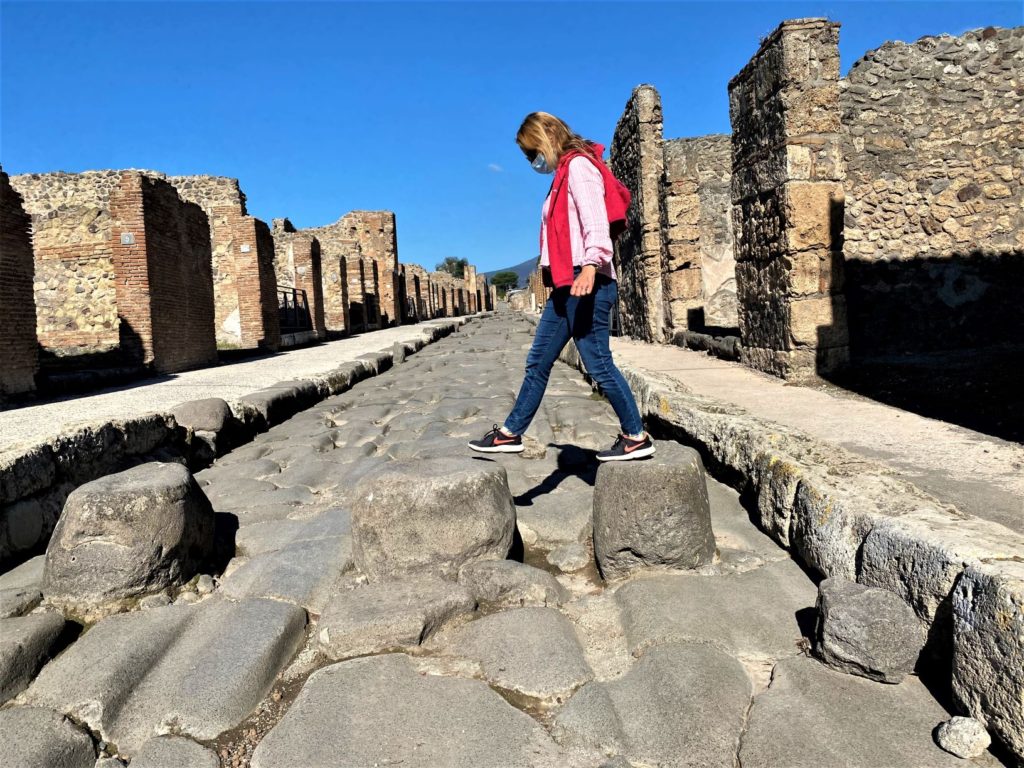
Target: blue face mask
540	164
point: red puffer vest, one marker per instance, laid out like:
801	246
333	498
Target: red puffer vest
616	201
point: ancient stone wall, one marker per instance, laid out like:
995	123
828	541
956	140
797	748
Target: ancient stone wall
637	160
699	267
209	192
18	343
418	290
787	201
162	259
297	263
933	144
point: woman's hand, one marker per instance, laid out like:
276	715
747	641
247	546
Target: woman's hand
584	284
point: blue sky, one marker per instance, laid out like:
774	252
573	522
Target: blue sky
321	108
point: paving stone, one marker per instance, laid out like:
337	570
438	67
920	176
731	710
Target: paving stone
303	573
389	615
271	535
25	644
196	670
38	738
532	652
752	613
431	515
28	574
126	535
18	600
813	716
679	705
652	513
964	737
554	511
569	558
396	716
867	631
174	752
507	583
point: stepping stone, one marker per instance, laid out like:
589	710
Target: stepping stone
678	706
751	613
431	515
207	415
507	583
38	738
25	644
127	535
813	716
867	631
303	573
199	669
653	513
531	652
174	752
389	615
394	716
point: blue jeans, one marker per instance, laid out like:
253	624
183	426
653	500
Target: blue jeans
584	319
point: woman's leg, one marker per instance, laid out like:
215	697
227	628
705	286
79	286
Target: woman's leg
550	338
590	332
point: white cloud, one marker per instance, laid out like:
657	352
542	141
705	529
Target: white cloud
494	167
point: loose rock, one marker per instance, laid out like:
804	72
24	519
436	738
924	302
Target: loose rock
964	737
653	513
867	631
127	535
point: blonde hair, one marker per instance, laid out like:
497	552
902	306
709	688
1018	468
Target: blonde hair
550	136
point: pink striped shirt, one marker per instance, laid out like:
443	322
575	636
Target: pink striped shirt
588	219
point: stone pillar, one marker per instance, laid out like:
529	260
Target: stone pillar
637	160
787	198
160	247
19	348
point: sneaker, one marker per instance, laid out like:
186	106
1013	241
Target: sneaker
626	449
497	441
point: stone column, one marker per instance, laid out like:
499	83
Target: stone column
19	348
787	198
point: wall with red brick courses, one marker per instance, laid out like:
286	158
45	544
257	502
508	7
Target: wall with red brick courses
161	252
18	346
297	260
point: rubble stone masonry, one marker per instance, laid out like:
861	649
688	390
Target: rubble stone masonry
787	202
297	263
933	144
18	343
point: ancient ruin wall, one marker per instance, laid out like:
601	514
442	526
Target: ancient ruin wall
18	344
209	192
417	287
933	143
637	160
298	263
699	266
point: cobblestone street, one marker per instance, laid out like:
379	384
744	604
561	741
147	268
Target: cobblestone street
374	601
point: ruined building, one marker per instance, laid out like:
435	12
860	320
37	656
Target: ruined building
18	344
297	264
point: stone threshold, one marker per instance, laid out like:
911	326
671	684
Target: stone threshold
846	516
36	477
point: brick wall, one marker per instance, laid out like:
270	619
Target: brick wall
161	253
18	345
417	287
787	198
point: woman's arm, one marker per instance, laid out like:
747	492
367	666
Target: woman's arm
586	188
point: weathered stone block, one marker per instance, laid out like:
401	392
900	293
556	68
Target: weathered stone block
810	222
818	322
653	513
25	643
35	736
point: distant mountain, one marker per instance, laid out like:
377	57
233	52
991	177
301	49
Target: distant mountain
522	271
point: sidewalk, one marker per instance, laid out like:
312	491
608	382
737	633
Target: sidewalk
41	421
979	474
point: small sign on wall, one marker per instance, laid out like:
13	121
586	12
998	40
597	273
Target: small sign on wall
127	238
246	248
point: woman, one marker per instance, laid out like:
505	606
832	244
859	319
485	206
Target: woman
576	257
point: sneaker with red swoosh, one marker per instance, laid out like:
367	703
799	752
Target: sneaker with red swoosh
497	441
626	449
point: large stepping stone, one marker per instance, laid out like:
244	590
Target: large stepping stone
25	644
174	752
507	583
394	716
653	513
389	615
38	738
196	670
303	573
531	652
751	613
678	706
127	535
867	631
431	515
812	717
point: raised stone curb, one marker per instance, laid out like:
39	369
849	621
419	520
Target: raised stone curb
36	478
846	516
